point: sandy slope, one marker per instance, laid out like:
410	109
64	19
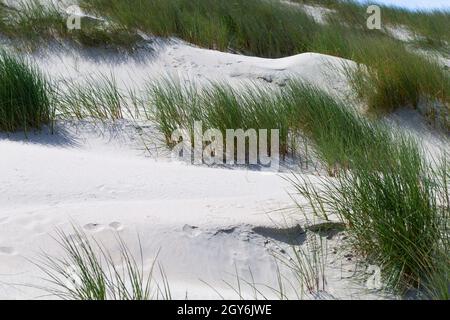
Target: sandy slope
179	59
204	220
44	186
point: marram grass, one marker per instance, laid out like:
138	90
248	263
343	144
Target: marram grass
25	101
35	22
88	271
263	28
96	98
335	129
396	77
396	209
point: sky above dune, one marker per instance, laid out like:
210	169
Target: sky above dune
416	4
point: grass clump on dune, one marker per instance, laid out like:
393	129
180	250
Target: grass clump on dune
32	21
263	28
389	75
89	271
95	98
429	27
337	132
396	209
218	106
392	77
394	204
396	77
24	95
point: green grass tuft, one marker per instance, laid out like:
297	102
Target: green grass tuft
35	22
396	208
395	76
218	106
338	133
95	98
88	271
263	28
24	95
429	26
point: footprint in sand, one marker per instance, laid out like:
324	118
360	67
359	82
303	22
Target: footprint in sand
116	226
7	251
96	227
192	231
93	227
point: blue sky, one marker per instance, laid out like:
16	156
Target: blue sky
416	4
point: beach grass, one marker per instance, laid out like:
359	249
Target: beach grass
263	28
389	75
33	22
336	130
95	98
218	106
308	263
395	207
89	271
394	76
430	27
25	101
394	203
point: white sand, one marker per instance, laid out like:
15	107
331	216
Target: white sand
191	63
318	13
402	33
204	220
